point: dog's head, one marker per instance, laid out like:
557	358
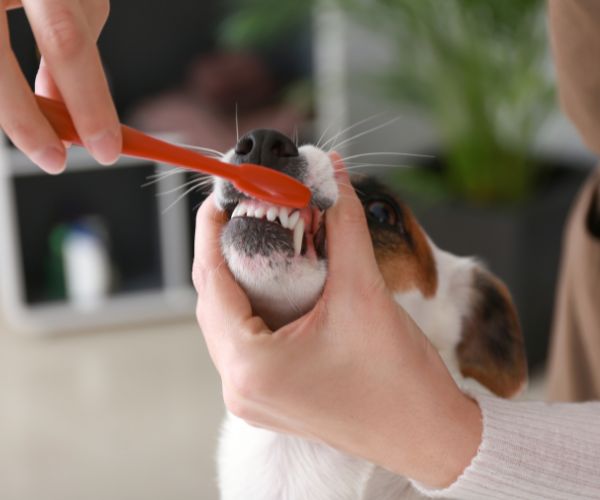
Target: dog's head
279	257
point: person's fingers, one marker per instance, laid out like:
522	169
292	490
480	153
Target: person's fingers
44	83
222	304
20	117
96	13
209	224
349	247
66	40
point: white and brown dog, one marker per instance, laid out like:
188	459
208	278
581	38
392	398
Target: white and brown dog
278	257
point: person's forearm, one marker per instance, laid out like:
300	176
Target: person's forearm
532	450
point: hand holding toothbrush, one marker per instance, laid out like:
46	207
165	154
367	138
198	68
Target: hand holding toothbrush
70	70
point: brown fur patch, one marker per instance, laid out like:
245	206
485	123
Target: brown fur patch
402	250
405	266
491	350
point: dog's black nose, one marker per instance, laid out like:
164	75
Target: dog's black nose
266	147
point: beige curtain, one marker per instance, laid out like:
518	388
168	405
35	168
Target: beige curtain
574	363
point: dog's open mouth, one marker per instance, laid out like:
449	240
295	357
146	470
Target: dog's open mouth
266	228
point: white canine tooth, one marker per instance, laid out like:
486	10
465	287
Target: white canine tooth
298	234
272	213
236	211
259	213
293	219
283	216
241	210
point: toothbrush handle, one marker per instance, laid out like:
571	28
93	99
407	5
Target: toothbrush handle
138	144
255	180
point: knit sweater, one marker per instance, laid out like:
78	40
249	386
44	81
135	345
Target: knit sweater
530	451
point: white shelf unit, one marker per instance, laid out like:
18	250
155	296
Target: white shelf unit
25	192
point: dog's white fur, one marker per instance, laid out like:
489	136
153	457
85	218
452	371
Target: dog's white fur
256	464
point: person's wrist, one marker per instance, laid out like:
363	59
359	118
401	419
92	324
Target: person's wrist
456	445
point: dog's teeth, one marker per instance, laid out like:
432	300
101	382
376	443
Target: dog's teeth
298	234
250	211
240	210
259	213
293	219
284	216
236	211
272	213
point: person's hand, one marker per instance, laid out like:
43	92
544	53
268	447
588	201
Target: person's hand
66	32
355	372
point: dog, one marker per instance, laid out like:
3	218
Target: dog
279	258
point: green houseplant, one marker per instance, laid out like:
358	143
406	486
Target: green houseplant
476	68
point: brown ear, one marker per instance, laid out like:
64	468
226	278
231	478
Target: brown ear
491	349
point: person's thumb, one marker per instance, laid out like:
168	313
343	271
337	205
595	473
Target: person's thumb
350	255
221	301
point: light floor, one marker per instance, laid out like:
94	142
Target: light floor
120	415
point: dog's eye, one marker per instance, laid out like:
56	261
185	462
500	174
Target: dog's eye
382	212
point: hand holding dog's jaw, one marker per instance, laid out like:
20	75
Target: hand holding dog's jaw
355	372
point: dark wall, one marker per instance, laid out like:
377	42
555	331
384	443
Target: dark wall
146	44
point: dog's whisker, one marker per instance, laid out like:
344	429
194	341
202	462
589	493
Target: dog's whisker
165	171
387	153
365	132
237	124
349	128
322	136
157	175
365	166
205	179
179	198
201	183
343	131
350	140
366	162
331	124
157	178
208	151
345	142
195	182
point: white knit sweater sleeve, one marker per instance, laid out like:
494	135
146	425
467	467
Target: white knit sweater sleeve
530	451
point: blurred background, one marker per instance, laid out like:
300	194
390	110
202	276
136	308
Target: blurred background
106	390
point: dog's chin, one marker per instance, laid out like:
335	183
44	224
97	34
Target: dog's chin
281	281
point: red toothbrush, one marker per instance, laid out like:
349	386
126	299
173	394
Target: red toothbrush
255	180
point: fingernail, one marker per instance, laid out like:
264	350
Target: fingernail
105	147
340	172
51	159
336	159
338	163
